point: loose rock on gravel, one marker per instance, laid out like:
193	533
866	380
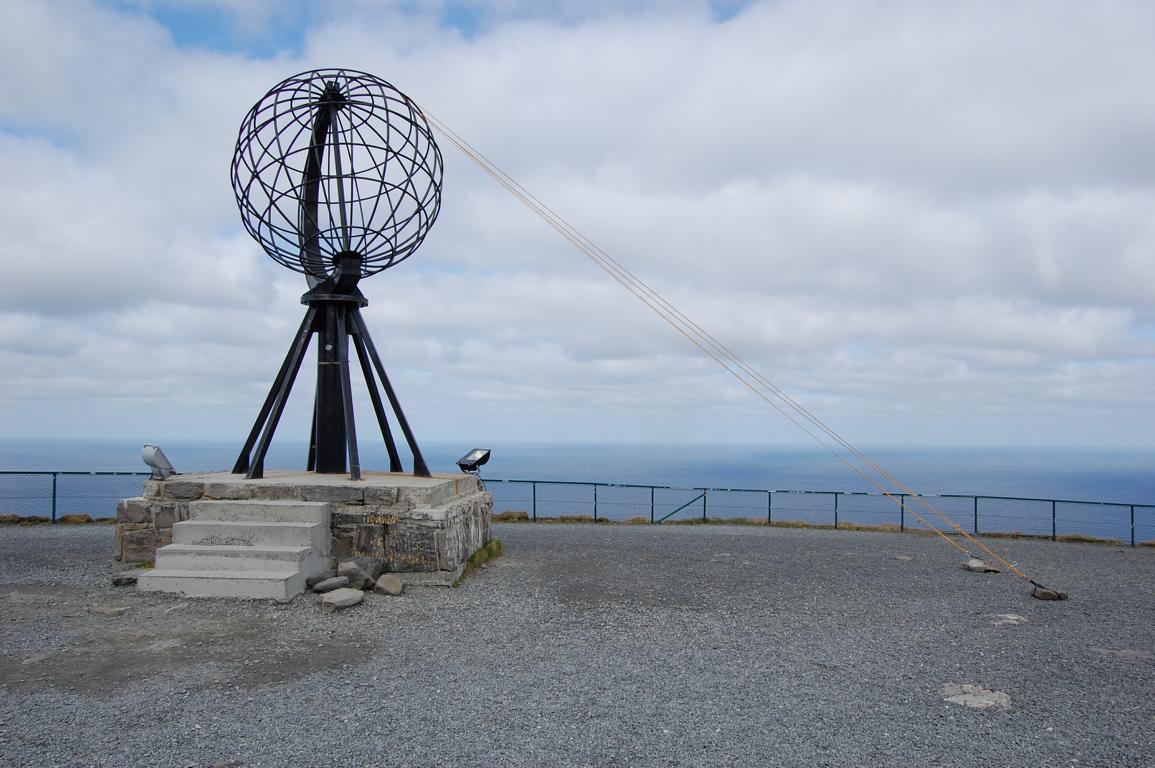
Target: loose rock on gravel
389	584
342	597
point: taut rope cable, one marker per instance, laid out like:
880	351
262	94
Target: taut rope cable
721	354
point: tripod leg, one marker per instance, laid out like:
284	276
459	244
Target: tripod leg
347	394
378	406
419	467
296	355
242	465
311	462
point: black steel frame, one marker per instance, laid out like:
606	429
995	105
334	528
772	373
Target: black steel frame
334	320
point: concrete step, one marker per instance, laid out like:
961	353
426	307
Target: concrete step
193	557
260	511
271	584
244	533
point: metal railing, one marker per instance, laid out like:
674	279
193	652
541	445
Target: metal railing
978	514
50	495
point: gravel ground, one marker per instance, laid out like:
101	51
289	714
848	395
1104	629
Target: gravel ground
593	646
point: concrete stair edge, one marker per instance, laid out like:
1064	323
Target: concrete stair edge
259	510
244	533
209	583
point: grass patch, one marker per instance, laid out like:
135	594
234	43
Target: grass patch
1085	539
884	527
716	521
18	520
490	550
75	519
800	524
511	516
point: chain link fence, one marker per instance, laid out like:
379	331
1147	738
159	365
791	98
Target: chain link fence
52	496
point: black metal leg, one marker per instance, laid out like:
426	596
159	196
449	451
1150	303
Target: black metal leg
296	355
342	342
242	465
311	461
378	406
419	467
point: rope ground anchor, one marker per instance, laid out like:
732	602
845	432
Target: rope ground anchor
979	566
1042	593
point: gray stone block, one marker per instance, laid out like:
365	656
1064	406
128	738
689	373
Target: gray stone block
228	491
133	510
182	489
386	497
275	492
343	494
139	546
411	547
165	513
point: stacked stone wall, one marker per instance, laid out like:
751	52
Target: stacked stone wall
431	530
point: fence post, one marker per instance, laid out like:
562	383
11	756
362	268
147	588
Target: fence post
769	507
1132	525
534	486
704	492
651	503
1053	532
54	476
901	512
836	509
595	502
976	515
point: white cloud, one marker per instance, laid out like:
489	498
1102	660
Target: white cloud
928	221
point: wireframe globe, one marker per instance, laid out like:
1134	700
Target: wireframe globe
335	161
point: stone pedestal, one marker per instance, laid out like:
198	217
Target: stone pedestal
423	528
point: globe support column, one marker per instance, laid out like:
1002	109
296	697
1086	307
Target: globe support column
330	432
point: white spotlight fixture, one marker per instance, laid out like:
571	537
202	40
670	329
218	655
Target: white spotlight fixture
154	457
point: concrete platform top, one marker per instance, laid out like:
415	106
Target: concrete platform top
299	477
381	488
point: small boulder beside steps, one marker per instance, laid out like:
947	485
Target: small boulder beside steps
344	597
389	584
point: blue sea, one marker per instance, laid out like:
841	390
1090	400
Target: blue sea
1124	477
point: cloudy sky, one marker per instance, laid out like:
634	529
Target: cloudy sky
929	222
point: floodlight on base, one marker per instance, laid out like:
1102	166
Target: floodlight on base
154	457
472	460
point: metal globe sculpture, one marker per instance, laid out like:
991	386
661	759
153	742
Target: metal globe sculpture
337	176
333	161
